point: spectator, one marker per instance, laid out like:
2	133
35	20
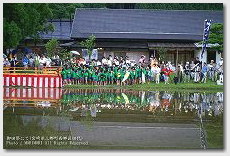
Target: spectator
13	62
25	61
31	61
142	60
98	63
6	62
187	72
204	71
48	62
104	61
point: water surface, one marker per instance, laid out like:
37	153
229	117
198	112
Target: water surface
109	118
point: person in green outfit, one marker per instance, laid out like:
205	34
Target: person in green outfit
94	77
118	76
138	76
132	76
81	76
69	75
74	76
64	75
110	76
102	77
86	75
149	74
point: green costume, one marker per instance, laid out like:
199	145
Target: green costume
64	74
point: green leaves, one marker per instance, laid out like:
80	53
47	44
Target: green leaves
89	44
51	47
216	36
27	19
162	53
12	34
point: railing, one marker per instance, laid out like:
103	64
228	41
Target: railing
30	103
32	70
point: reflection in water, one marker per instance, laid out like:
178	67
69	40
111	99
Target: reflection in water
58	108
151	101
96	100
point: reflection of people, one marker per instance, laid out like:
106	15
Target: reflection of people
154	102
84	110
93	110
165	102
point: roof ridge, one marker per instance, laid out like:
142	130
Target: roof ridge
77	9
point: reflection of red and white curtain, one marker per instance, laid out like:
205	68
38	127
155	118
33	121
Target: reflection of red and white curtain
32	93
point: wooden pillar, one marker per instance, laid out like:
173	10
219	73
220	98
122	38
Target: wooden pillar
176	58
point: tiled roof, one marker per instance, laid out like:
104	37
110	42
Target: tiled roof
61	32
142	24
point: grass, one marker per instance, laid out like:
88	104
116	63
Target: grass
189	87
215	133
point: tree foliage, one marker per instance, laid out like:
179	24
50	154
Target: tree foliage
27	18
216	36
89	44
12	34
51	47
162	53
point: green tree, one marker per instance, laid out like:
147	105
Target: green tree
162	53
89	44
64	54
51	47
12	34
27	18
216	36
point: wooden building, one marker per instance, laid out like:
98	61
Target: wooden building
136	32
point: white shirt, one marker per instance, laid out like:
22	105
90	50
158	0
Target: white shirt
48	62
98	63
104	61
116	62
109	63
42	60
157	70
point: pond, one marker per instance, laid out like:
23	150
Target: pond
56	118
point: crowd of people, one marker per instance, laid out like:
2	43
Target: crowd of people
122	71
32	60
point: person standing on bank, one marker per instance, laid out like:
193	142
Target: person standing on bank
204	71
187	72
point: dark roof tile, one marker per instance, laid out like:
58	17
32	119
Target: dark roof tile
142	24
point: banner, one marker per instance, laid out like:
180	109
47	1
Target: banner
85	54
207	26
93	56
